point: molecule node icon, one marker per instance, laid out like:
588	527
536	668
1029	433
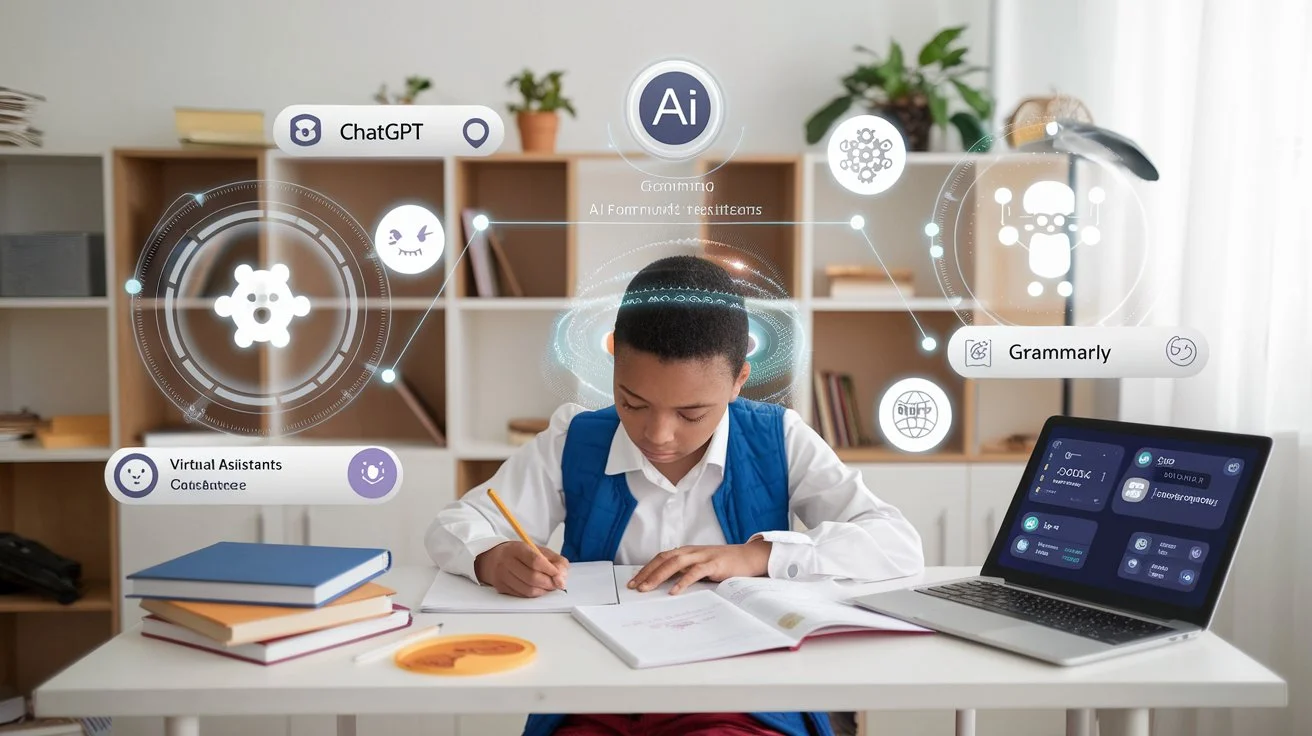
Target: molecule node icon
262	306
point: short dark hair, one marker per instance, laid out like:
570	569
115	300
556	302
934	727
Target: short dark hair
681	308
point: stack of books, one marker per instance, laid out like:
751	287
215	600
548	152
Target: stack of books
838	418
267	603
870	282
16	109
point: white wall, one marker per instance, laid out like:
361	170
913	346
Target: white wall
113	71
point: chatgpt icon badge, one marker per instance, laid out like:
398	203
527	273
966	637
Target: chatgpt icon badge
675	109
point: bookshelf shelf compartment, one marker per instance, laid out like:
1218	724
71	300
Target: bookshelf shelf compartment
95	597
878	349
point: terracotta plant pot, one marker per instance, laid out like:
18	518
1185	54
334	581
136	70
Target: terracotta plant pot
537	131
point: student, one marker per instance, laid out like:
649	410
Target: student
681	476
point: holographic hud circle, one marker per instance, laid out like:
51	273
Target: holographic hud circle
193	316
1016	235
580	367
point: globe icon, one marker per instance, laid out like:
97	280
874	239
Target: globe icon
915	414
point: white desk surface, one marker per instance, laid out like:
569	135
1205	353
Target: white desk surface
574	673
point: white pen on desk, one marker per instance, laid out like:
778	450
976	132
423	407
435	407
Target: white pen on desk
376	654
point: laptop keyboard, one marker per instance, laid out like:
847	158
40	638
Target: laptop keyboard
1057	614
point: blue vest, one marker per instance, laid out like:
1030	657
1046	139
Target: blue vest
753	498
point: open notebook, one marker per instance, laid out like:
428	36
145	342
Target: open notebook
590	584
740	616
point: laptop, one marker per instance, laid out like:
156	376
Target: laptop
1118	539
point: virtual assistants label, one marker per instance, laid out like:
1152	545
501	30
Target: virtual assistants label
1178	487
1076	352
253	475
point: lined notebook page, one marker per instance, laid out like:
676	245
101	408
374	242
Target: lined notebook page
625	573
590	584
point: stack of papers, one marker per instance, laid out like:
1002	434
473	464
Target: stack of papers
16	109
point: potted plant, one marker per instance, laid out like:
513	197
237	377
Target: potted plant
538	115
413	86
915	97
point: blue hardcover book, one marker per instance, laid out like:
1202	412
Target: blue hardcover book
261	574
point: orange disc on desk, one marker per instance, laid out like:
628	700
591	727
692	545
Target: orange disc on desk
471	654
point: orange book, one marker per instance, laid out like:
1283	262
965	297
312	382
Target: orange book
231	624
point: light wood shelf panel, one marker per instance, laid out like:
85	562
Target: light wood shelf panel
774	184
96	596
88	302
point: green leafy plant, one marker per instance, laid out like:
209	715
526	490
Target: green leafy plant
540	95
413	86
916	94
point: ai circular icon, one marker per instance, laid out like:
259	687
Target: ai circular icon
372	473
1031	523
409	239
675	109
866	154
136	475
915	415
258	308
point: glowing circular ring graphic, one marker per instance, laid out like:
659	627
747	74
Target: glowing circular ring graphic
199	247
580	363
955	227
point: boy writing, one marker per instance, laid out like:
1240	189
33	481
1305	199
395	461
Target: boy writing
681	476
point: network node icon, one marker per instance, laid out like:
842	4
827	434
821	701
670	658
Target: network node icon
262	306
867	154
915	415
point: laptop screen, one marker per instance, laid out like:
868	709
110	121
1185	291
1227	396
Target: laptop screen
1141	518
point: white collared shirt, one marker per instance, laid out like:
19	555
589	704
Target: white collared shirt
851	533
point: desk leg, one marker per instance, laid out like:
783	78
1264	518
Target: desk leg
965	723
1079	723
182	726
345	725
1130	722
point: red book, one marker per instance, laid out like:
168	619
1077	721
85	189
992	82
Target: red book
282	648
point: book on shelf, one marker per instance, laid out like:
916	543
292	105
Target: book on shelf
837	415
277	650
72	431
488	260
870	282
739	616
219	127
16	108
261	574
230	624
417	406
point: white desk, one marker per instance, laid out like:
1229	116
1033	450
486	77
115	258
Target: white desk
134	676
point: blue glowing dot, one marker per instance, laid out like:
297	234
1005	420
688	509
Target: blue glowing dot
857	222
936	251
931	229
388	375
480	222
133	287
929	344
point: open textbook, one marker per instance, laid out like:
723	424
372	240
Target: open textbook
740	616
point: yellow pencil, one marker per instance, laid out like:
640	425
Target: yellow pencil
514	523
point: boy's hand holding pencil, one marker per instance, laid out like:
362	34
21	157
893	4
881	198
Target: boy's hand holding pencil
520	568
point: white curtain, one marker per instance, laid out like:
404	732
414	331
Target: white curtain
1219	93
